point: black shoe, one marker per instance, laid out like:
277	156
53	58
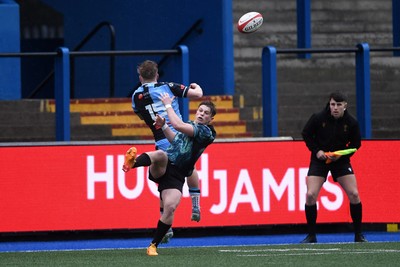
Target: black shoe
309	239
360	238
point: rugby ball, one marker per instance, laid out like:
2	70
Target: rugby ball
250	22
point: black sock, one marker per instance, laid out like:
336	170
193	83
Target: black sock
311	216
356	216
161	230
142	160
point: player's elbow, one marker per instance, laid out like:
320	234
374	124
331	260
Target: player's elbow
199	94
195	92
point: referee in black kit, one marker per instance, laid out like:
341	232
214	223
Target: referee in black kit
329	130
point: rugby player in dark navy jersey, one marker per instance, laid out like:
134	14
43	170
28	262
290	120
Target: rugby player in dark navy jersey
169	168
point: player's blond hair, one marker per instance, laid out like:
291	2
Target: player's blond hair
148	69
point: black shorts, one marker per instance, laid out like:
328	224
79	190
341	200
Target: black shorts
338	169
172	178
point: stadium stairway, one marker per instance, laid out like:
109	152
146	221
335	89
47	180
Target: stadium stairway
116	115
103	119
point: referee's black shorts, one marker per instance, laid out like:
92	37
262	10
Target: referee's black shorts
337	168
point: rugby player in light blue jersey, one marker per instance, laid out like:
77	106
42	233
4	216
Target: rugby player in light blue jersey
169	168
146	104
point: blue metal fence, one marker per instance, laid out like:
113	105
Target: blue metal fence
304	26
396	25
62	88
303	12
62	84
363	99
62	74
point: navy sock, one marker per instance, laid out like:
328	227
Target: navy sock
161	230
142	160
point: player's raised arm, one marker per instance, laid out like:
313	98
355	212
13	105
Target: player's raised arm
195	91
174	119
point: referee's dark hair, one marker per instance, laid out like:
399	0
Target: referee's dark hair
338	97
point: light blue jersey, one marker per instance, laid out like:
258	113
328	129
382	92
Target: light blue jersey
146	104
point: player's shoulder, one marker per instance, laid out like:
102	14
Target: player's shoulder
138	90
212	129
159	84
172	85
205	128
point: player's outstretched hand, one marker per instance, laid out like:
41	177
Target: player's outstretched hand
159	122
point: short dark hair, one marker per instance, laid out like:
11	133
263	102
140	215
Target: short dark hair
210	105
338	97
148	69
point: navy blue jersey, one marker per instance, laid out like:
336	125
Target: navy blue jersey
184	150
146	104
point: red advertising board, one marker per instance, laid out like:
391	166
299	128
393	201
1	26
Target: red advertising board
82	187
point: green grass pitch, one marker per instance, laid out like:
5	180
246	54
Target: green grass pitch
328	254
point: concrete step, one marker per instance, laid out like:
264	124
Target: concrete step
24	105
124	123
125	104
31	117
223	101
109	117
386	133
126	117
47	133
25	118
223	127
95	105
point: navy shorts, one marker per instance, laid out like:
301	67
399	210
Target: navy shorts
338	169
172	178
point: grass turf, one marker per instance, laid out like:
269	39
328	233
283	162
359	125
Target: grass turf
331	254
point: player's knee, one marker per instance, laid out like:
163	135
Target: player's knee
311	198
169	209
354	196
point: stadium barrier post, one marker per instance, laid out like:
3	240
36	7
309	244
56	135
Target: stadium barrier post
396	25
62	94
184	102
303	27
363	89
269	94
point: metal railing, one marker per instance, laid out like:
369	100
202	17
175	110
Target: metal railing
194	28
62	79
86	39
62	82
269	84
304	32
63	71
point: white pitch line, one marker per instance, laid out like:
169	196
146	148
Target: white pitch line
279	250
312	254
306	251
